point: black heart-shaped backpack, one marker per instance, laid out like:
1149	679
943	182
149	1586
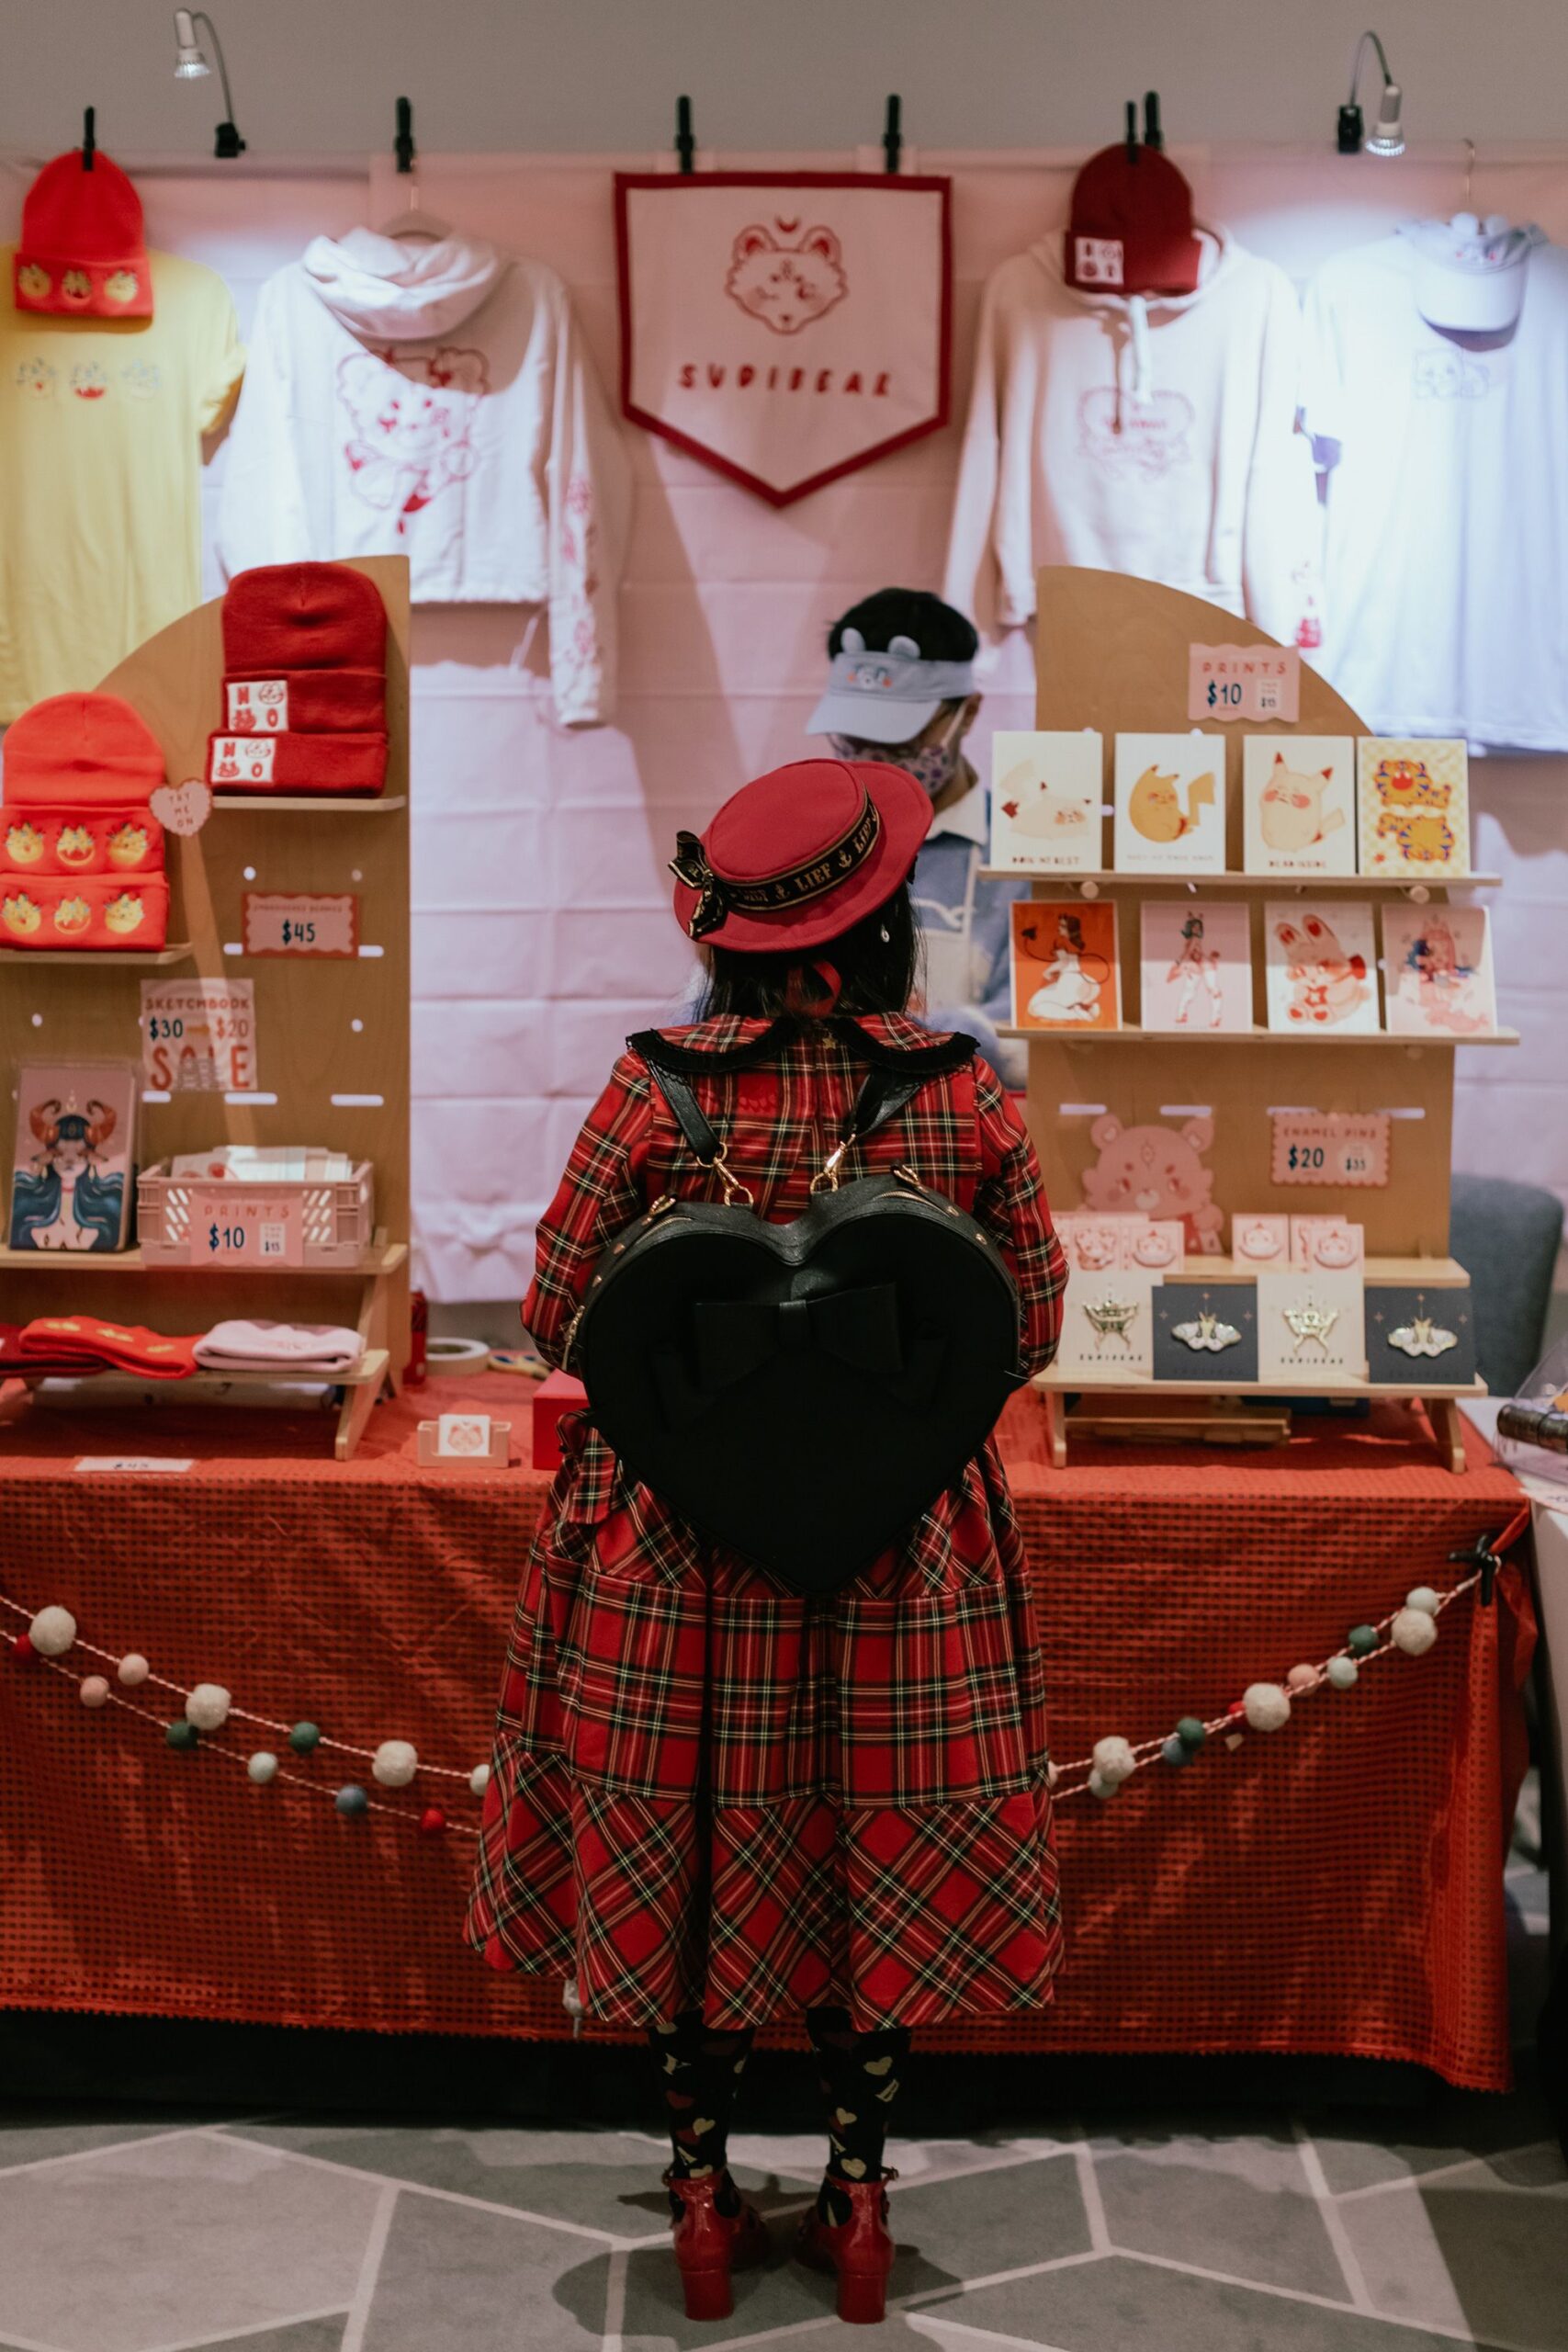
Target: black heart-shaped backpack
800	1392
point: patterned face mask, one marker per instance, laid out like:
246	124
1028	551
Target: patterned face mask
932	765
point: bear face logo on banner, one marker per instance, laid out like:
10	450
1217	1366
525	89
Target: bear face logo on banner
786	286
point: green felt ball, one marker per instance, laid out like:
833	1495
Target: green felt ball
1342	1672
1190	1732
1361	1640
182	1734
303	1737
351	1798
1176	1751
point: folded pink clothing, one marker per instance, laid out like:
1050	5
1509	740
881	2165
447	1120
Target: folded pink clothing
321	1349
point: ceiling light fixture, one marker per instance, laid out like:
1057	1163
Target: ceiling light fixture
191	65
1388	137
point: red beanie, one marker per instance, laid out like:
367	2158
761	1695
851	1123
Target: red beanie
83	251
92	750
328	762
284	616
307	702
1131	230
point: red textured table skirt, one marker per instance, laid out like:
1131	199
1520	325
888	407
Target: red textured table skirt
1333	1887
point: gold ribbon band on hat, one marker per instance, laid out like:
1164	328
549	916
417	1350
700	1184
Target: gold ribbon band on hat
719	897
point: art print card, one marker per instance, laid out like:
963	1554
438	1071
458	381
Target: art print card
1298	795
1107	1326
73	1167
1206	1333
1064	970
1311	1328
1332	1243
1261	1239
1170	804
1420	1335
1046	795
1414	798
1437	971
1321	967
1098	1244
1196	965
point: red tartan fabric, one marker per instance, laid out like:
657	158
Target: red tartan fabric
875	1760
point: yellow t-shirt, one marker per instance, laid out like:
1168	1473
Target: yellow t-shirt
100	475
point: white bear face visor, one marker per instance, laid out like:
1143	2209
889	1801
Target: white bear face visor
887	697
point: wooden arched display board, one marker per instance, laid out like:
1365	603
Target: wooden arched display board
1112	654
331	1033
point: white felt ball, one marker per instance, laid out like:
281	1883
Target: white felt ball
208	1706
1053	1773
1114	1760
53	1631
1265	1706
1098	1786
1342	1672
1424	1598
94	1691
478	1778
395	1763
133	1668
1413	1632
262	1767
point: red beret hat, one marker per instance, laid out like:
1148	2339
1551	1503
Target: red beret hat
800	855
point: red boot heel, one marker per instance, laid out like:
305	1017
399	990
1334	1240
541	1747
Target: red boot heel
860	2250
709	2244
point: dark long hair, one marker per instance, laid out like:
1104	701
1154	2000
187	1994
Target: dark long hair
876	963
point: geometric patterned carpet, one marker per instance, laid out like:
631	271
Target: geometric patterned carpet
1366	2230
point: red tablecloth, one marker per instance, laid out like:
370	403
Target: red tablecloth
1333	1887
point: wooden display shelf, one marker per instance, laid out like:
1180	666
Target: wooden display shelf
1130	1035
1415	1274
179	953
385	1257
370	1378
1321	886
1221	1416
313	803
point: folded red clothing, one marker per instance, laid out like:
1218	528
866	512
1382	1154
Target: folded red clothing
91	1343
13	1364
90	910
80	840
307	702
327	764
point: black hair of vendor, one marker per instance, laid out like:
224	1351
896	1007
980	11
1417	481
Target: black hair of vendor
877	963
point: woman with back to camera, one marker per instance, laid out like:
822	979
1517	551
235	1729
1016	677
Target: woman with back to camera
715	1801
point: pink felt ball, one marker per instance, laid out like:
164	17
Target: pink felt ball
433	1821
94	1691
1302	1678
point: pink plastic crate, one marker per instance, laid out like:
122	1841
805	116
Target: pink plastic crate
337	1220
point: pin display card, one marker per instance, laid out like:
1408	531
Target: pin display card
1107	1326
1261	1239
1321	965
1170	804
1311	1328
1420	1335
1196	965
1438	979
1064	970
1299	804
1414	798
1207	1334
1046	795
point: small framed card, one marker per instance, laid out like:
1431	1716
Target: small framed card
1206	1333
1107	1326
1414	798
1299	804
1437	975
1098	1244
1330	1243
1046	791
1310	1328
1170	804
1065	970
72	1165
1420	1335
1196	965
1261	1238
1321	965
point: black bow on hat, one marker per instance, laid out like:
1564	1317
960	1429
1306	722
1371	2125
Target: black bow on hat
690	865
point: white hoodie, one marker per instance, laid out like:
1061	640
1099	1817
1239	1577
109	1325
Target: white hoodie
1151	435
435	401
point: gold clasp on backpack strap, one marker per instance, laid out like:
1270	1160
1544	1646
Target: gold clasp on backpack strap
827	1178
734	1189
907	1175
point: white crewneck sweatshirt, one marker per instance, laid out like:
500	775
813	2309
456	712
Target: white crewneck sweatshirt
435	401
1152	435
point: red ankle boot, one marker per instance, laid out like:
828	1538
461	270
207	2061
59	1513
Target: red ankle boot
710	2244
860	2250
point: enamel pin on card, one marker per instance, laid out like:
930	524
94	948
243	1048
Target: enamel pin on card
1046	791
1414	800
1107	1325
1065	971
1437	980
1299	804
1207	1334
1310	1328
1196	965
1321	964
1420	1335
1170	804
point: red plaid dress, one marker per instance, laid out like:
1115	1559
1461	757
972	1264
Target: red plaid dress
876	1758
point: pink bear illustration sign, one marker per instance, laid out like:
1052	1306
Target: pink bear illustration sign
786	327
1321	964
1157	1172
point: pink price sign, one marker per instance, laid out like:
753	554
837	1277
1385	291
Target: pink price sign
1331	1147
1256	681
229	1227
299	923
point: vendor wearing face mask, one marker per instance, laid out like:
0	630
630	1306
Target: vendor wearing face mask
901	689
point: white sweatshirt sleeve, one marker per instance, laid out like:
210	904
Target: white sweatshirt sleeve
1282	548
969	580
262	514
588	501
